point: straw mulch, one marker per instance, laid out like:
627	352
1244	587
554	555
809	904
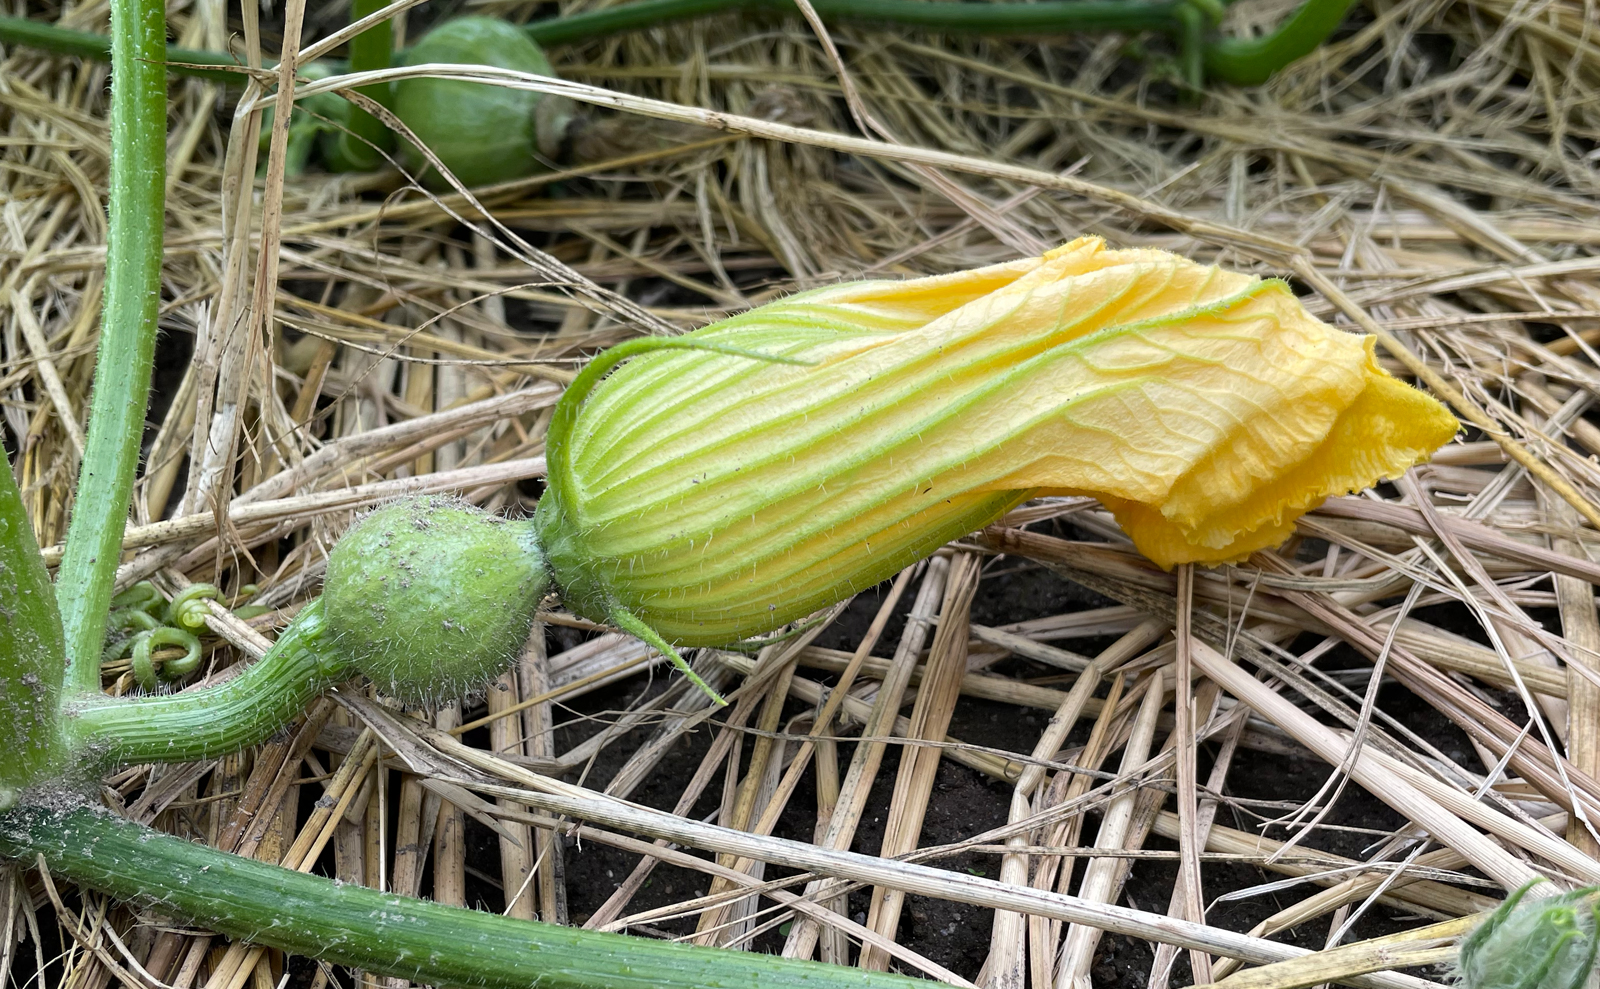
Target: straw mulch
331	342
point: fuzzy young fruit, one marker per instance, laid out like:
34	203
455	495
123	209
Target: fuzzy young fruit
432	597
483	133
1543	944
711	496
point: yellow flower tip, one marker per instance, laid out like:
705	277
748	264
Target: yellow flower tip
715	496
1385	430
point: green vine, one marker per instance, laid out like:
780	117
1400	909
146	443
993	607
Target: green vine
1252	61
1008	17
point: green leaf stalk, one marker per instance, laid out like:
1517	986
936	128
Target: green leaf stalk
127	333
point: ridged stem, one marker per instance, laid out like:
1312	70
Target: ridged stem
127	333
383	933
211	721
32	658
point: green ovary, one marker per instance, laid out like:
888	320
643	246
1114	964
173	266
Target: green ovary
432	597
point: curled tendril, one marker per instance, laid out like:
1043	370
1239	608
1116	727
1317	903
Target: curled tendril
144	667
141	597
125	624
134	619
1546	944
188	610
146	620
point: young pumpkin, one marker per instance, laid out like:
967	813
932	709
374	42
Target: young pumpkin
432	596
484	134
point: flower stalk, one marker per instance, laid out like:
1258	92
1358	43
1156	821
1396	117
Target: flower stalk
211	721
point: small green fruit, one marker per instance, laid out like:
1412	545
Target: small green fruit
1543	944
483	133
432	597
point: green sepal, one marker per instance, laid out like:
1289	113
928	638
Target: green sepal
634	626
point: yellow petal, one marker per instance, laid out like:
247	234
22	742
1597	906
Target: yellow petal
1389	427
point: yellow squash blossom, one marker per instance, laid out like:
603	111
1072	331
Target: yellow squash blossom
710	496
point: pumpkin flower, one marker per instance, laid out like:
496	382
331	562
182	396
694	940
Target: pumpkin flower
710	496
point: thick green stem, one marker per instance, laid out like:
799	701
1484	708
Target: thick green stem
127	333
386	934
32	658
212	721
1252	61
